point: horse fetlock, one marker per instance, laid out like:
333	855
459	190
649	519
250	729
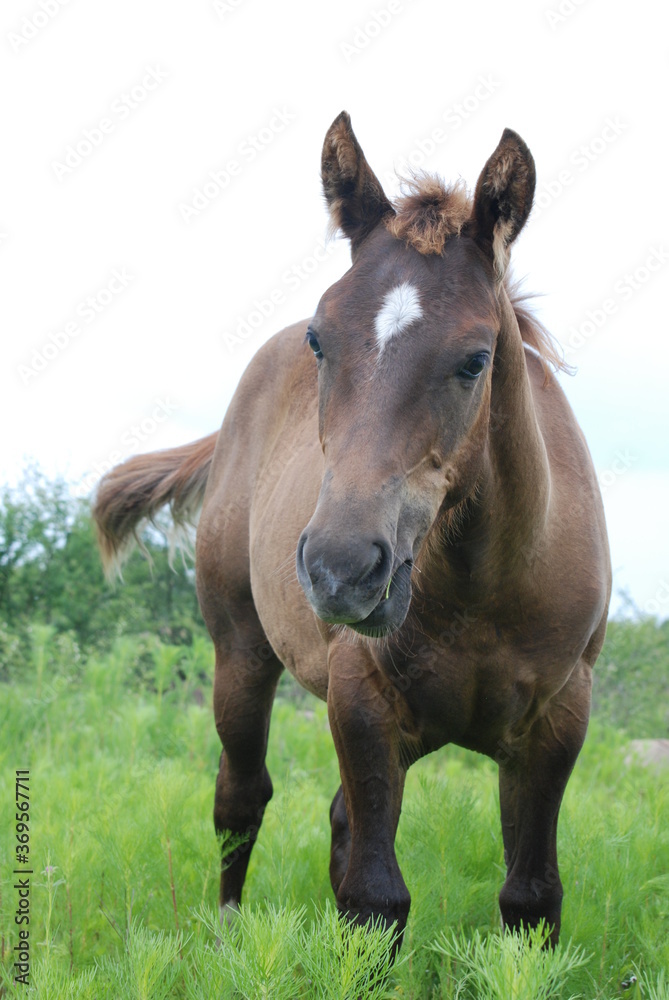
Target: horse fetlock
384	918
385	904
238	819
527	901
339	857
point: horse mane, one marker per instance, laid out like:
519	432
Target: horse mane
427	212
533	330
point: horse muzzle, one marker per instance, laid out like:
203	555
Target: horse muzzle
354	582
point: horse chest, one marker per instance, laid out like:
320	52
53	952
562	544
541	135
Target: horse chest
477	693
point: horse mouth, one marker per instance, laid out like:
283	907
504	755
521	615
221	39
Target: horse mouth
391	611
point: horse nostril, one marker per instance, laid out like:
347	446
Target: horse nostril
300	559
377	563
343	577
335	567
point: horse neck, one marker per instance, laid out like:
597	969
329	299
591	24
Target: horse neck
495	533
518	471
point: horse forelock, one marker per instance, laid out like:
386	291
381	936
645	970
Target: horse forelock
429	211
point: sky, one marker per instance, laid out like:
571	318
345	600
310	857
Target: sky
162	214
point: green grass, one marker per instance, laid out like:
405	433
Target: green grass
123	755
631	686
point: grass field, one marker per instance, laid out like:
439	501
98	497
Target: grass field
122	755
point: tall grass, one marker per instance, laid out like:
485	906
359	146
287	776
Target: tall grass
123	755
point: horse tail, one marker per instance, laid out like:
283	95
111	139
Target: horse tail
131	494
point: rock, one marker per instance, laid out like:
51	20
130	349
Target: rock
649	753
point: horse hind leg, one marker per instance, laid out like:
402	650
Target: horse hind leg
247	673
532	780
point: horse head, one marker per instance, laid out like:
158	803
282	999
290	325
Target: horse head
405	344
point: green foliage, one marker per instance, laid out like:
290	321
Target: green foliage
50	574
55	982
257	954
654	987
275	953
123	754
147	969
631	678
34	520
509	966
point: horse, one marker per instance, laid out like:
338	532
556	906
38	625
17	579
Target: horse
401	510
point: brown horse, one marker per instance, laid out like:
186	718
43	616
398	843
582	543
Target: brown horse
410	449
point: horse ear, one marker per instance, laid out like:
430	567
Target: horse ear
352	191
503	198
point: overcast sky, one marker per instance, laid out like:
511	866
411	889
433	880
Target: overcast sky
162	216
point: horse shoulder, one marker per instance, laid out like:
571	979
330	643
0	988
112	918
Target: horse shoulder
247	451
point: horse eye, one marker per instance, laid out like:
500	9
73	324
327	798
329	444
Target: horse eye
474	366
314	345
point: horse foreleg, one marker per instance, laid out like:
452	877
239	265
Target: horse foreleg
365	734
247	673
532	781
340	849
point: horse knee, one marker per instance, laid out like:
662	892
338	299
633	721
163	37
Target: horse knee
244	752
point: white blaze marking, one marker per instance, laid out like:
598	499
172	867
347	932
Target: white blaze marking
401	308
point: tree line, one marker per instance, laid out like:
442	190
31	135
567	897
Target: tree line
50	574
